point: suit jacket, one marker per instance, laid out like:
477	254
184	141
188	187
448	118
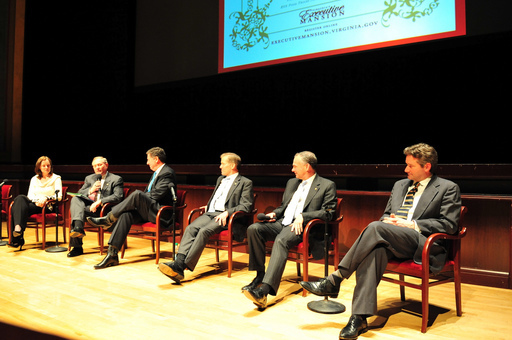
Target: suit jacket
438	210
239	198
320	203
160	193
112	190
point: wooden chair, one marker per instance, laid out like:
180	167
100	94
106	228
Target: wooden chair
300	253
449	273
46	218
6	197
104	211
224	240
157	232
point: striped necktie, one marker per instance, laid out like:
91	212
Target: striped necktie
407	205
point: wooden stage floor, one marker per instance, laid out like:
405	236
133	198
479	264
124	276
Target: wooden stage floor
49	296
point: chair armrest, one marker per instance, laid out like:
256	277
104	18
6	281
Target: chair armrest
239	214
307	230
200	210
162	209
310	225
425	255
5	199
105	208
46	206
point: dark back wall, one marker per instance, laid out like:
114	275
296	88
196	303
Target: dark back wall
80	101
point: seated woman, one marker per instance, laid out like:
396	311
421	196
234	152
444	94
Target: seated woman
42	188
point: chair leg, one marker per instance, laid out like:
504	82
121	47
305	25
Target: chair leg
230	261
123	248
402	288
424	304
101	238
63	232
44	236
305	276
458	299
157	249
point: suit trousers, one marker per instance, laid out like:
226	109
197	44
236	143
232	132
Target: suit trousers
284	239
79	209
136	208
196	237
22	208
369	256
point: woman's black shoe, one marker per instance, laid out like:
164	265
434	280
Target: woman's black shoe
17	241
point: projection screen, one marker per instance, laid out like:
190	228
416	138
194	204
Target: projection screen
255	33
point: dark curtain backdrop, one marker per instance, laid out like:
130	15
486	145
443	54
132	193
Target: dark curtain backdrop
80	100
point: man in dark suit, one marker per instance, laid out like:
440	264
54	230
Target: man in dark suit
139	206
306	197
233	192
419	206
99	188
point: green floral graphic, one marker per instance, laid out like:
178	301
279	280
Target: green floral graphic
407	9
249	29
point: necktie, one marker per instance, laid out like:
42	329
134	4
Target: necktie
291	210
93	196
152	180
403	211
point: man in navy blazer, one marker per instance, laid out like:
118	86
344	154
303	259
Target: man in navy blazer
139	206
307	196
233	192
435	208
99	188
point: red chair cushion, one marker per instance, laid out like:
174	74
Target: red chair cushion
49	217
409	266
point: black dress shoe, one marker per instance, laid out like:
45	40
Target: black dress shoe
172	270
102	222
76	251
257	296
77	232
322	287
356	326
254	283
110	260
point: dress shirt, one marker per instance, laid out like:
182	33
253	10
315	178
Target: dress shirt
218	201
296	205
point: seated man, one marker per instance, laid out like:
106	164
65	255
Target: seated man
419	206
99	188
306	197
138	207
232	193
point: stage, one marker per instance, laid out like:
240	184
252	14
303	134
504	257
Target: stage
49	296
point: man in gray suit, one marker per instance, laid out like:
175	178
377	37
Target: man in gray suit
306	197
232	193
99	188
419	206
